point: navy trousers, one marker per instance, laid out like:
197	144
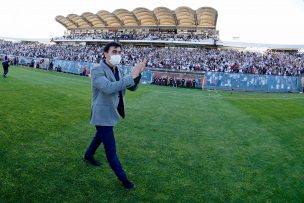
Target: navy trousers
105	135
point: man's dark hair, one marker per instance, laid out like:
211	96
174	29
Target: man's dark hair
111	44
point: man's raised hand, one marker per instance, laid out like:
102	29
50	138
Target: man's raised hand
139	68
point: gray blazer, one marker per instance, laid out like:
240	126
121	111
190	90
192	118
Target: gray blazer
105	94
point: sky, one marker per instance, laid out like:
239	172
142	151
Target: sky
257	21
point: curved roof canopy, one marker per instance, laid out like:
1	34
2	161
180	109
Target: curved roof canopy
204	17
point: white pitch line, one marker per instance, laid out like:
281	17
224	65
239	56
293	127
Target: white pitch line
228	97
59	76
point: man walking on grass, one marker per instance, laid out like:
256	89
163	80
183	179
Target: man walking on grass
108	101
5	65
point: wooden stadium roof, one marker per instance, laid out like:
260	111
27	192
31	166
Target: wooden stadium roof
204	17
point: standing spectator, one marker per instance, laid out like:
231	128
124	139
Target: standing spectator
51	65
16	61
183	82
193	83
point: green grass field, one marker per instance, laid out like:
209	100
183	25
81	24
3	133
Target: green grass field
176	145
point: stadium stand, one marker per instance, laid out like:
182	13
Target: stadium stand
162	24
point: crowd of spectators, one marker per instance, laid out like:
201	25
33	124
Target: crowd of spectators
60	52
216	60
174	80
185	59
209	34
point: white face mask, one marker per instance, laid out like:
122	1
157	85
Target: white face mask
115	59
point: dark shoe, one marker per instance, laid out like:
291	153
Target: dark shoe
91	161
128	185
